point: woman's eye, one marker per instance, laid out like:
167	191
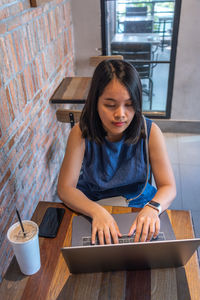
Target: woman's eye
109	105
129	104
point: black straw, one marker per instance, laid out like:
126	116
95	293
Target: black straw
20	221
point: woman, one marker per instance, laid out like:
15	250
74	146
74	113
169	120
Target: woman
109	146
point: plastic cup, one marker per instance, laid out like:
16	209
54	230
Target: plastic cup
26	248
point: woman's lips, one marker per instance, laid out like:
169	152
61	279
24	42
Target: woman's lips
118	124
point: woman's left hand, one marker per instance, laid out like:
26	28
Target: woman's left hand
146	225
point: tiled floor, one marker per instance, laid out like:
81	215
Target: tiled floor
184	153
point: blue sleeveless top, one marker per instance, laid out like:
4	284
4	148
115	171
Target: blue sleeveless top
116	169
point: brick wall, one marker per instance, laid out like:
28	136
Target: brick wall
36	52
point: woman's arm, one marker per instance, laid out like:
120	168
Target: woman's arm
161	168
103	222
148	221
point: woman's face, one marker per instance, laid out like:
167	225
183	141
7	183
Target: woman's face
115	110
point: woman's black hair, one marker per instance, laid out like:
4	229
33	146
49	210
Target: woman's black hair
90	122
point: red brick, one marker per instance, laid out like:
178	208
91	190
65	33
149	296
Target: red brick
23	86
58	20
31	39
39	35
61	18
5	137
60	49
37	97
16	156
29	82
28	108
35	37
52	25
34	78
34	110
3	28
3	164
25	5
29	160
6	72
14	22
38	71
4	103
65	43
11	142
29	140
11	53
26	42
6	195
43	34
5	179
46	29
70	39
21	93
67	14
19	48
24	159
4	13
8	220
14	95
14	9
45	75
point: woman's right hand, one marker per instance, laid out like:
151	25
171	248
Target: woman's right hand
105	227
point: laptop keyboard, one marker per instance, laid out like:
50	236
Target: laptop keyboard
124	239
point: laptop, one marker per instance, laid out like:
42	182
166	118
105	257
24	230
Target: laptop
163	252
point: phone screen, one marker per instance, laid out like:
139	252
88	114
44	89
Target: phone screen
51	222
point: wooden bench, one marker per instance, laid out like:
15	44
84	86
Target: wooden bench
68	116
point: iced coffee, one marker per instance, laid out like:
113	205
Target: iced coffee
17	235
26	246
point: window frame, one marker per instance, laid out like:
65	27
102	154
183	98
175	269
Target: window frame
171	62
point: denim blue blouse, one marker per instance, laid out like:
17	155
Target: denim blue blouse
116	169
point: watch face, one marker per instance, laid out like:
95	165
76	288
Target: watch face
156	204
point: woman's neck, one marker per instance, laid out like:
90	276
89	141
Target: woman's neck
114	138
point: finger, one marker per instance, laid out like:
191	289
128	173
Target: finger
145	230
138	232
115	235
107	236
101	237
151	231
93	237
118	231
132	229
157	228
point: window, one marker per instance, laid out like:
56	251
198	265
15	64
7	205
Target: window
145	33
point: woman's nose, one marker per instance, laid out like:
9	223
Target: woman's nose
119	112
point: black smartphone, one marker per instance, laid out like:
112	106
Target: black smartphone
51	222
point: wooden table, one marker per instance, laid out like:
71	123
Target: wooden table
53	280
72	90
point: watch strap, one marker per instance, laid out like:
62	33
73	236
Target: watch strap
155	205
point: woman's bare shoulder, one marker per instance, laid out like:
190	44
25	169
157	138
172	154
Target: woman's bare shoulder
157	143
75	135
156	134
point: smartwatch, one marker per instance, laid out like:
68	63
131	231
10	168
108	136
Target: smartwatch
155	205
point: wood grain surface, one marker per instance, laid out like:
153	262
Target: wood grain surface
53	280
72	90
